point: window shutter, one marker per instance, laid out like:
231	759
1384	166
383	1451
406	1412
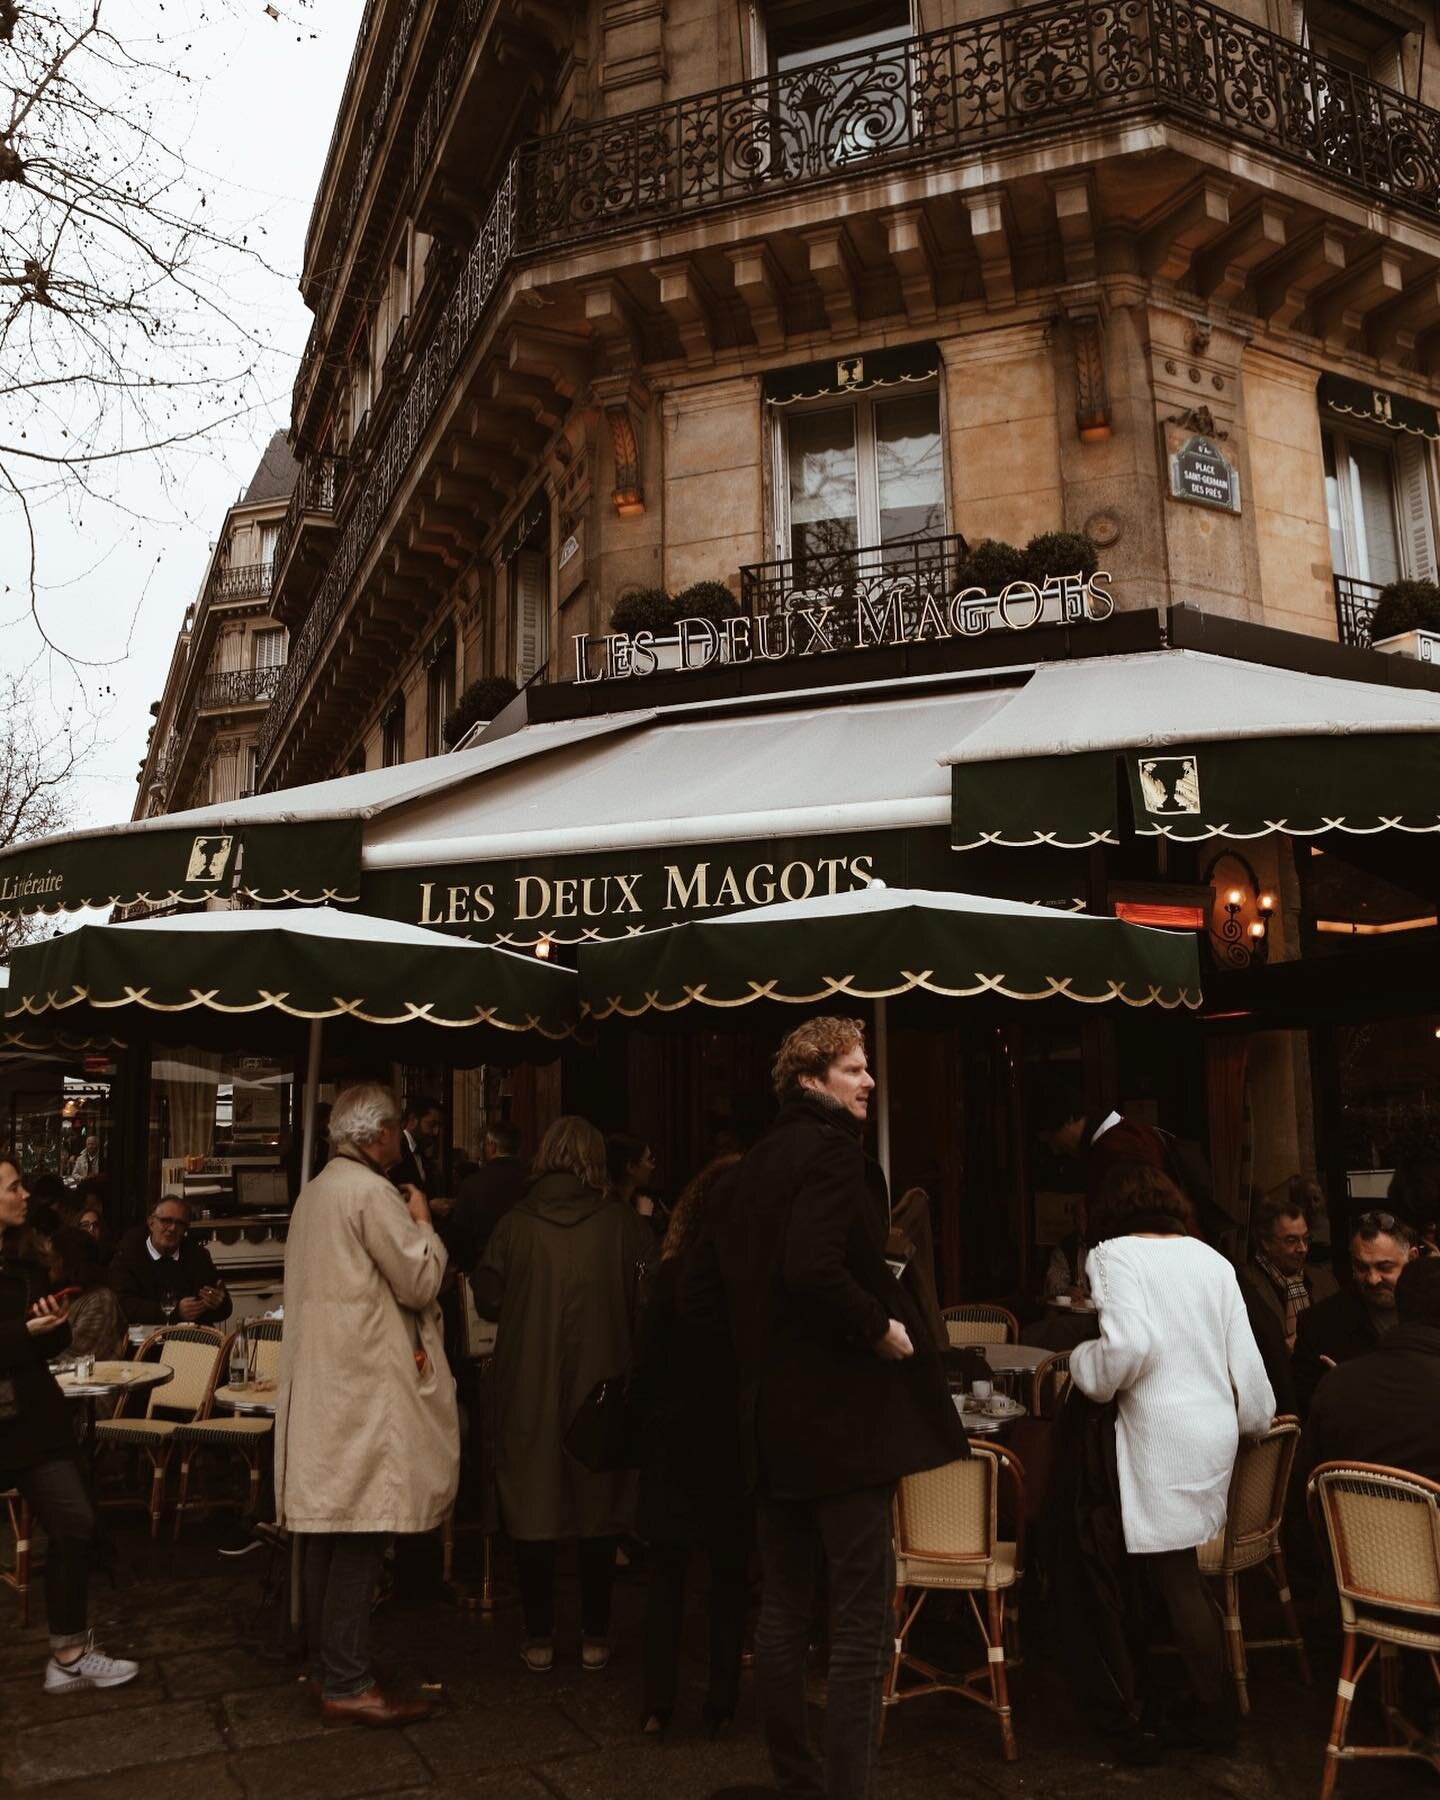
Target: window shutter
529	614
1299	29
1413	480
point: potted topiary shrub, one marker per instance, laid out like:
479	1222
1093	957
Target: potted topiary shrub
1406	620
710	600
480	701
992	566
650	609
1060	553
644	609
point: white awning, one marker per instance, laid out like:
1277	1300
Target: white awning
686	780
1161	698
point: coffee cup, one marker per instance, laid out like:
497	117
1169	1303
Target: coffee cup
1063	1299
981	1391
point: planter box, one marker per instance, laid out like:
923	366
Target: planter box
1419	646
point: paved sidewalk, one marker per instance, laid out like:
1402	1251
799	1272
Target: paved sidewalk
214	1715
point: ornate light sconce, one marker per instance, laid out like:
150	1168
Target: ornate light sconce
1240	913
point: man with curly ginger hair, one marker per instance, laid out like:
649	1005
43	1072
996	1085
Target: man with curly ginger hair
841	1393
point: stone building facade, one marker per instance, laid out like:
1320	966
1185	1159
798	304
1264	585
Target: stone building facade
228	660
631	295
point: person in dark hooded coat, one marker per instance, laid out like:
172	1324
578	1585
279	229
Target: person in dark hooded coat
562	1274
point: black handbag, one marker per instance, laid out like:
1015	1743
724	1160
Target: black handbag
603	1434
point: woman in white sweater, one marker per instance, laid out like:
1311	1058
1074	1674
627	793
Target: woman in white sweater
1177	1355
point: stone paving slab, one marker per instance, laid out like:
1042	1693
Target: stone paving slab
465	1741
332	1766
72	1747
196	1778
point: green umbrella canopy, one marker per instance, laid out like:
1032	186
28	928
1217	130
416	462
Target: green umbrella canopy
307	962
880	942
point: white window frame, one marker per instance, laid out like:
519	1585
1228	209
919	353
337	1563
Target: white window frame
1411	497
760	35
270	638
867	522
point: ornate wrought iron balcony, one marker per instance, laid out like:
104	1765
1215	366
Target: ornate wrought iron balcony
1025	74
239	687
1355	603
878	574
240	581
314	493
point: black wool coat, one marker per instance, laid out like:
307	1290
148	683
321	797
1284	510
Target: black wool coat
794	1259
684	1391
1383	1407
42	1424
1340	1328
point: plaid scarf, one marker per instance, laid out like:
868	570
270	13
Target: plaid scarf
1292	1289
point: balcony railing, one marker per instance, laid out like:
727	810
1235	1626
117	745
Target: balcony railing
1018	75
314	492
1355	603
240	581
893	581
239	687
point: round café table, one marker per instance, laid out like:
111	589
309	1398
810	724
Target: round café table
254	1398
109	1380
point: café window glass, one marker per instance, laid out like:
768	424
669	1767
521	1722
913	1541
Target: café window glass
866	473
1377	505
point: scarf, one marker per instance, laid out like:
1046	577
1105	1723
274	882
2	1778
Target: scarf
1291	1289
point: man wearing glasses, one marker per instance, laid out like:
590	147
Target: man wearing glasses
160	1276
1354	1321
1278	1274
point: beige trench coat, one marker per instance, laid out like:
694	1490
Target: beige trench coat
364	1440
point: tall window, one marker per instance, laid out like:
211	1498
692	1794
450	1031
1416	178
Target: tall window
529	614
269	538
859	106
439	694
392	734
267	648
869	472
1377	505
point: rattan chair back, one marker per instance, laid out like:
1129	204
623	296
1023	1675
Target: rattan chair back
265	1331
980	1323
1258	1485
1052	1384
950	1514
193	1352
1384	1531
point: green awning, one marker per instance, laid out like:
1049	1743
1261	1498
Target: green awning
882	942
1189	746
270	864
306	963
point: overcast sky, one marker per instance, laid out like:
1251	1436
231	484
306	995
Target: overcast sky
255	124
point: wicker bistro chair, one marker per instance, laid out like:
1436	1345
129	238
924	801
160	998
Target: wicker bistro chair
17	1575
980	1323
1049	1384
193	1352
947	1536
1384	1530
244	1434
1251	1540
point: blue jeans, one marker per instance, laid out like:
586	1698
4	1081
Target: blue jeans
58	1500
849	1535
341	1570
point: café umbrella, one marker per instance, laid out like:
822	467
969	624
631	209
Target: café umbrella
880	942
310	963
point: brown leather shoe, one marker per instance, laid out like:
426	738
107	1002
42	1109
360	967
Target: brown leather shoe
376	1708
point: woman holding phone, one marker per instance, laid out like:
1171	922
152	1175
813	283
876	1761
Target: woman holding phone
37	1452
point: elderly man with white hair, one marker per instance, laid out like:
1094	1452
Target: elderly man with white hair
366	1434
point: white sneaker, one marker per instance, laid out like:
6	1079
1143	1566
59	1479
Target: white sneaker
91	1669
